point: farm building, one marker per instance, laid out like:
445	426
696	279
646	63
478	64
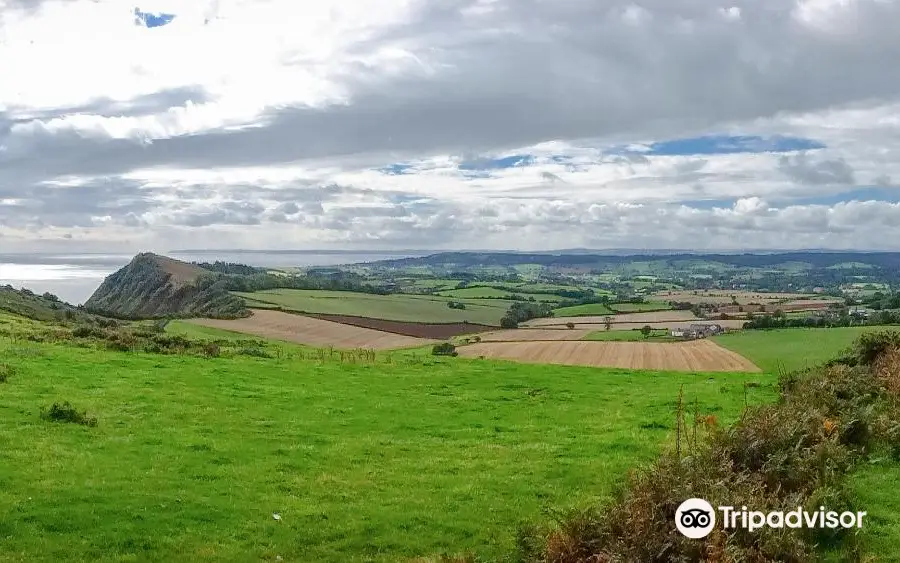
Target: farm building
695	331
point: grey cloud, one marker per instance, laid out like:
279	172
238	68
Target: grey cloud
227	213
539	70
804	170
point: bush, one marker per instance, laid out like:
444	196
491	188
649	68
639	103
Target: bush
6	371
779	456
508	322
65	412
87	331
254	352
444	349
211	350
570	325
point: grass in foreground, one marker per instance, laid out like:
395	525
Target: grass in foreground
790	349
396	307
191	457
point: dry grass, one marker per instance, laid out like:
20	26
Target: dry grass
182	273
313	332
698	355
535	334
633	318
723	297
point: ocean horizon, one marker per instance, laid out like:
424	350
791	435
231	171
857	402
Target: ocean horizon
74	277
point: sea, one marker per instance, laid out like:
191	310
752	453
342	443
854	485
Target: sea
74	277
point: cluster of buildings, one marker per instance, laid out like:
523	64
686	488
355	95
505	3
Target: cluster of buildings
696	331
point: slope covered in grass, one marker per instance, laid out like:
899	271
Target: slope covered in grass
378	461
791	349
152	286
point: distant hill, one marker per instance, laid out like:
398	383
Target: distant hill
154	286
46	307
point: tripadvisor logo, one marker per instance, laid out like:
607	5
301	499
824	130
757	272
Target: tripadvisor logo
695	518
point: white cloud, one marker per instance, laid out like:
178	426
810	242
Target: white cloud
268	123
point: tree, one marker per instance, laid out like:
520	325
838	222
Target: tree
646	330
607	322
508	322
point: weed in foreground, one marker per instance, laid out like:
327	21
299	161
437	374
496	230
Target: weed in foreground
66	412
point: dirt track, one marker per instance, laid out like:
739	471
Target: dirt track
314	332
697	355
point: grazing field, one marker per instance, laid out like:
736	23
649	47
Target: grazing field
191	457
640	307
476	293
697	355
655	317
656	335
313	332
791	349
591	309
534	334
724	297
397	307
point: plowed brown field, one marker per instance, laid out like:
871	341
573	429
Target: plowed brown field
696	355
313	332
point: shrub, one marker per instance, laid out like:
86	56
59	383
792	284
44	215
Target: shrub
87	331
6	371
508	322
779	456
254	352
444	349
211	350
65	412
570	325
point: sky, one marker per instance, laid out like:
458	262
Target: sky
449	124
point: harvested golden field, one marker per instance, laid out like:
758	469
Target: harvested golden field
696	355
313	332
633	318
724	297
535	334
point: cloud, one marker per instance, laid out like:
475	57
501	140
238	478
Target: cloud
800	168
457	123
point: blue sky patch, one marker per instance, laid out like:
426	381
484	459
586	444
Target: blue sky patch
151	20
396	169
725	144
511	161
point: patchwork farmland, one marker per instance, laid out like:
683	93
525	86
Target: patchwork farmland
311	331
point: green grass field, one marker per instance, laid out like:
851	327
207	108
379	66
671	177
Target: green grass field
396	307
629	336
640	307
588	310
790	349
191	456
475	293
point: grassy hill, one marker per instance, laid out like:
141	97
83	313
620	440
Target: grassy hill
379	461
46	307
152	286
